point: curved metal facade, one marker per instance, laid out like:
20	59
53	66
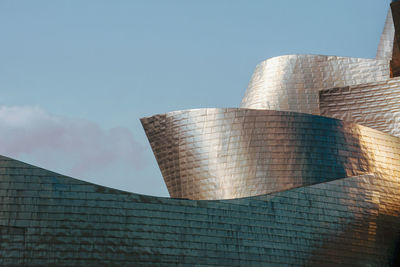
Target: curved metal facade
376	105
51	220
320	191
231	153
292	83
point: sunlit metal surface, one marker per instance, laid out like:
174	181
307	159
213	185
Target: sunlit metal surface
52	220
385	48
376	105
231	153
329	189
292	83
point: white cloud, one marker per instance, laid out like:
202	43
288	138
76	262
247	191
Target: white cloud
79	144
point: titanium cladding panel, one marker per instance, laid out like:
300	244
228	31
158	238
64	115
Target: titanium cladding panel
52	220
232	153
342	209
376	105
292	83
385	48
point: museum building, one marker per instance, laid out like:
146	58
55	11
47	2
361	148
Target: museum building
306	172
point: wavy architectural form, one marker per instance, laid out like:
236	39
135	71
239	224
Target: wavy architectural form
320	191
376	105
292	83
232	153
52	220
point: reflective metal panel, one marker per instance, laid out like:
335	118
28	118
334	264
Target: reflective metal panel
292	83
376	105
385	48
331	188
231	153
52	220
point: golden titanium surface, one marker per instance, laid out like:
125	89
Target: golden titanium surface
265	146
233	153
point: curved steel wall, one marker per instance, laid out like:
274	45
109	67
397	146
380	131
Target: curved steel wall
376	105
51	220
48	219
292	83
231	153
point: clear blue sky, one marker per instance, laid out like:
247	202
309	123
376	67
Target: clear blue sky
76	75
